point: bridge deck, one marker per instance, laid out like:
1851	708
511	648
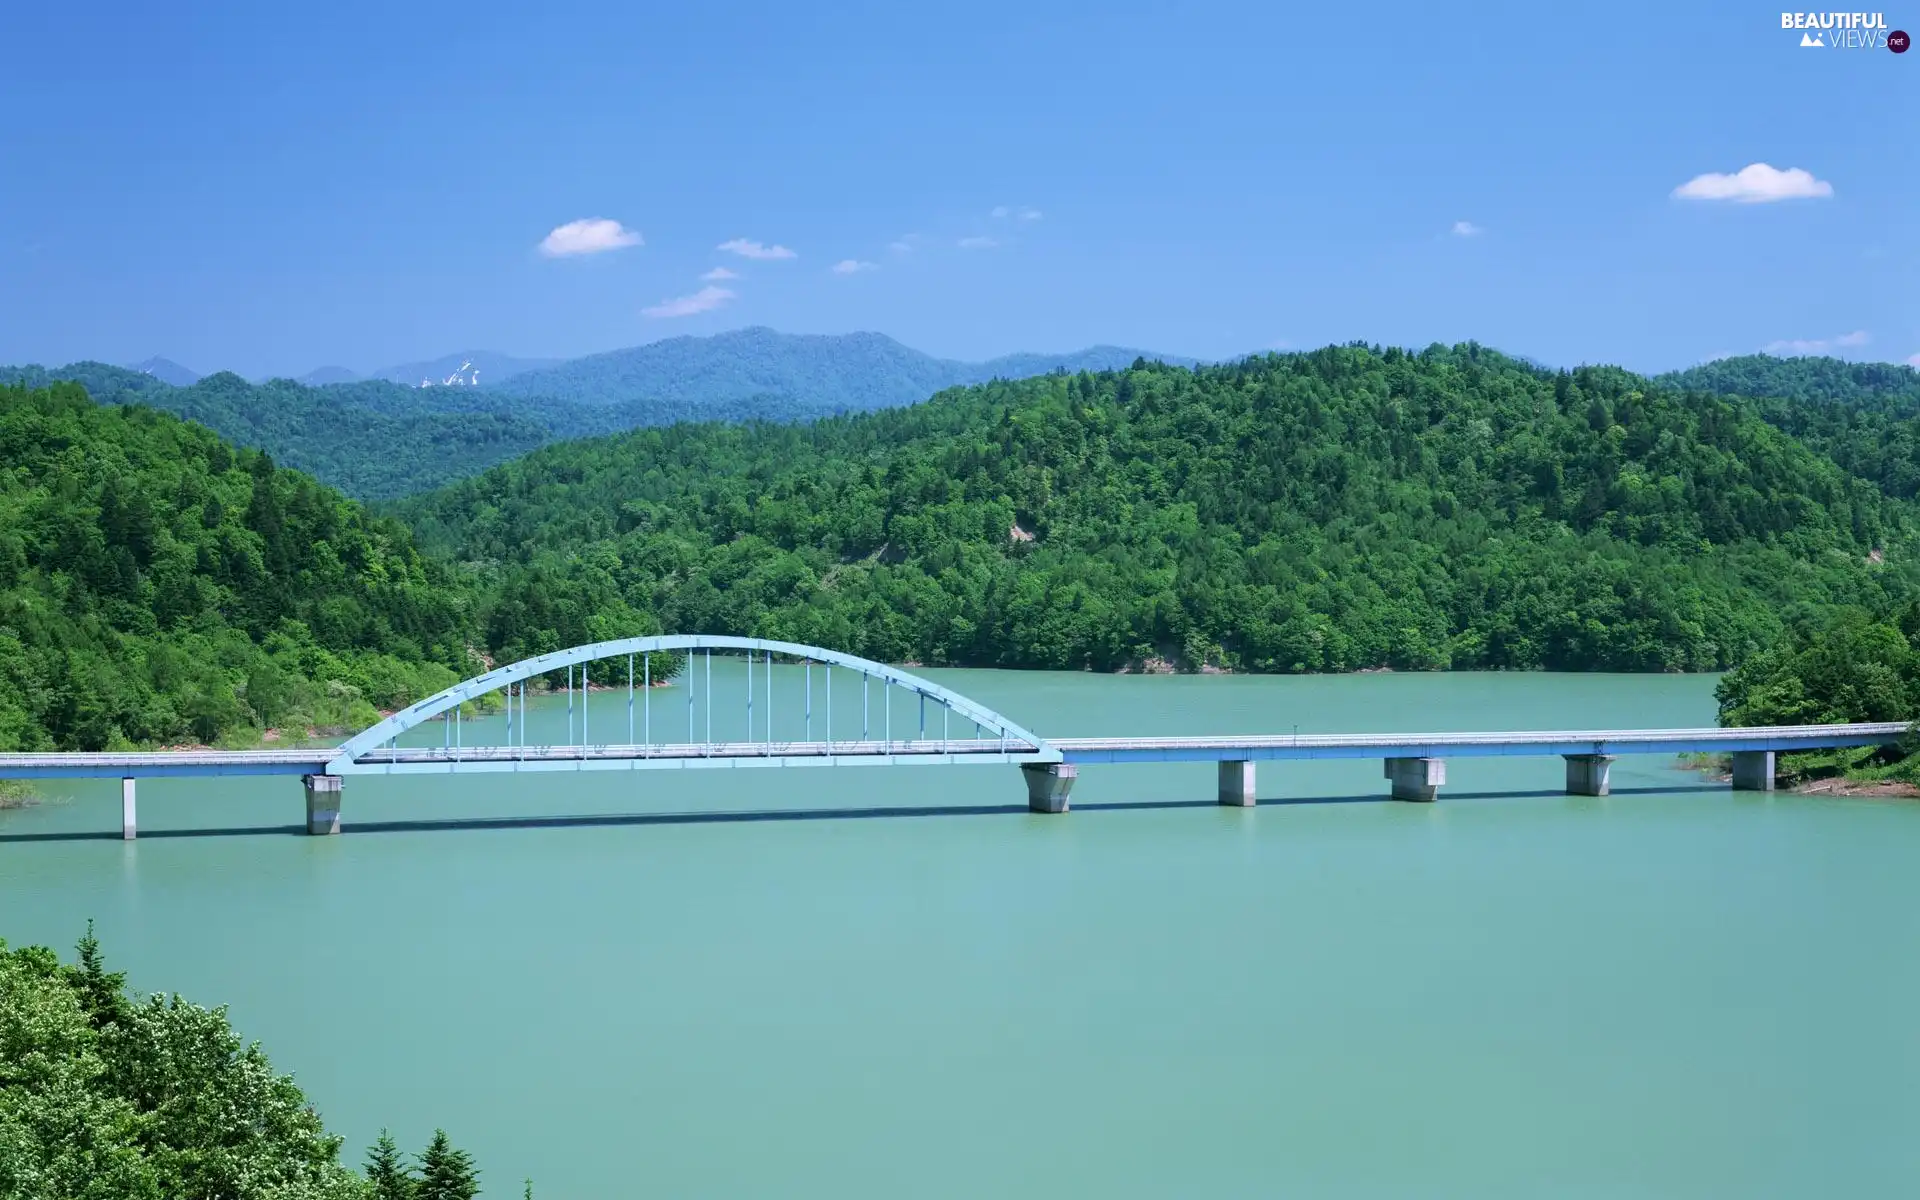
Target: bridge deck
1782	738
441	760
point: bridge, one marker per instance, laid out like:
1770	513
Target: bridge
1415	764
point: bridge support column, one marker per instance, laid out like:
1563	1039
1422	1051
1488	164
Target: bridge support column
1753	770
1417	779
323	803
1236	784
129	825
1587	774
1048	785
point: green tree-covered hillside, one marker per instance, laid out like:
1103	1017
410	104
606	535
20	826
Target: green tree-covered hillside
158	586
1865	416
1346	508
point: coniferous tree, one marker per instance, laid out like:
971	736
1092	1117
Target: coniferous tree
389	1176
446	1173
101	991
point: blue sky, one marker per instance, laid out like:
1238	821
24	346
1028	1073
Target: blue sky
268	188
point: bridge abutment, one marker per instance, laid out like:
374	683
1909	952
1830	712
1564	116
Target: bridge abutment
1048	785
1588	774
1753	770
1416	779
129	825
1236	783
323	803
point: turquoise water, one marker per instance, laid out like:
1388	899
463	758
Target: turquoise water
727	983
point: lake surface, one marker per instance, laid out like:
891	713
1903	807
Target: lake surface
1671	991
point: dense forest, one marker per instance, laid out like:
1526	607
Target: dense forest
105	1096
1864	416
1341	509
371	439
158	586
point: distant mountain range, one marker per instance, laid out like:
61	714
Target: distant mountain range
167	371
685	375
808	375
384	437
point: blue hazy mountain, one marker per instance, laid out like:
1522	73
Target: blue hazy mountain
167	371
492	367
781	375
324	376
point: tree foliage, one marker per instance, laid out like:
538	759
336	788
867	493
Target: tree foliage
1341	509
1865	416
162	1100
158	586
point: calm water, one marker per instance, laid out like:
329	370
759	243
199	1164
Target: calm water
1672	991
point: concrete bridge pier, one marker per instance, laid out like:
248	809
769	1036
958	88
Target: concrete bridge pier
129	825
323	803
1236	783
1417	779
1048	785
1753	770
1587	774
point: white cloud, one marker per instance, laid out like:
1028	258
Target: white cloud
1755	184
1021	213
591	235
1789	347
850	266
977	243
746	248
705	300
1001	210
1466	229
905	243
720	273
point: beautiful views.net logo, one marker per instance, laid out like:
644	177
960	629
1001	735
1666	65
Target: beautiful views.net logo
1846	31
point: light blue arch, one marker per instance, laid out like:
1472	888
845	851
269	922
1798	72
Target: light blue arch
1035	748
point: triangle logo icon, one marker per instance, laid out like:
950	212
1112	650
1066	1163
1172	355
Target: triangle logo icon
1811	39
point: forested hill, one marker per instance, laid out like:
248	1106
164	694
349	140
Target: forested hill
1865	416
157	586
1335	510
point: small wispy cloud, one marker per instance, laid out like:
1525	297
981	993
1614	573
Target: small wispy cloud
1757	183
719	274
705	300
1466	229
978	242
591	235
905	243
1791	347
1018	212
853	266
747	248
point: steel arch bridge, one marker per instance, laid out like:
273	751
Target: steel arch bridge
867	737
